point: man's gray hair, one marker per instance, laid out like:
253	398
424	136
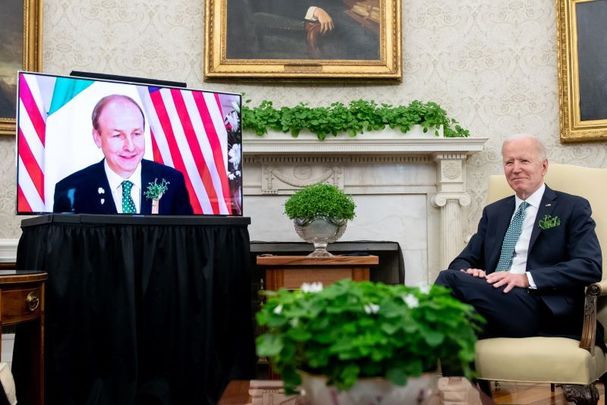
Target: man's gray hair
541	148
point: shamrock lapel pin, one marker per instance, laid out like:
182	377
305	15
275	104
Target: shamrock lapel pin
549	222
155	191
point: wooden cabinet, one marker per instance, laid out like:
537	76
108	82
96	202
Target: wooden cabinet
22	302
291	271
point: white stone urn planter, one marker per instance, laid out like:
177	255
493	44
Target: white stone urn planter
372	391
320	232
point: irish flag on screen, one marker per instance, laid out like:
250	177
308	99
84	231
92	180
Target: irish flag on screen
41	100
55	133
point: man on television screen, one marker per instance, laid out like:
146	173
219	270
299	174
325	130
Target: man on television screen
123	182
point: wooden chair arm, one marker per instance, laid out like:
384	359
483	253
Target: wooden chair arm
593	291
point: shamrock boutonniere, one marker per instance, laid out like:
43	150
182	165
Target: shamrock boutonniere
549	222
155	191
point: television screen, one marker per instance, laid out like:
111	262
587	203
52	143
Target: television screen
96	146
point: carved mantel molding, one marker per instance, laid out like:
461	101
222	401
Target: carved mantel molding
278	164
383	143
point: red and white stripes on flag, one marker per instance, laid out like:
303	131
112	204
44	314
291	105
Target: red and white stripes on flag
31	133
188	133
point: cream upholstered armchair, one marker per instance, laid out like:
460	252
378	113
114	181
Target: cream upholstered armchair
574	364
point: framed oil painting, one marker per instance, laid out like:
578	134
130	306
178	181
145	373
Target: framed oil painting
303	39
20	31
582	70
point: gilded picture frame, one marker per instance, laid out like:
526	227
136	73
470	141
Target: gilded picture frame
582	70
277	39
21	22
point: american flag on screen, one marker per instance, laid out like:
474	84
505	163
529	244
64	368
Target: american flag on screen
31	139
187	132
187	128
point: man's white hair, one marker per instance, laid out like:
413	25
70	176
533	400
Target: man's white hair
541	148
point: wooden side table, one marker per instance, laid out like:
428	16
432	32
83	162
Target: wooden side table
22	300
291	271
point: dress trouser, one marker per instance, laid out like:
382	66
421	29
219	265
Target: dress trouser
517	313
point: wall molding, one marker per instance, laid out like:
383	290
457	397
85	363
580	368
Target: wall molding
8	250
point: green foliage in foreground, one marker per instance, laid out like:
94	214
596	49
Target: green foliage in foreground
320	200
352	330
357	117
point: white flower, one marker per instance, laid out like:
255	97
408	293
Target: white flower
411	301
236	106
278	309
311	287
424	288
100	190
234	156
371	308
232	120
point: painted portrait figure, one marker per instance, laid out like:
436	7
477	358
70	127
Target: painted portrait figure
303	29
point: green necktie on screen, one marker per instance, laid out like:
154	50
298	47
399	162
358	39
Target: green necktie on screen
511	237
128	205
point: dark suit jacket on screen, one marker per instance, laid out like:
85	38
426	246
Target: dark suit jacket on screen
562	260
87	191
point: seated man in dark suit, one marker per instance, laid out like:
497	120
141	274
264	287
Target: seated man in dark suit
526	267
123	182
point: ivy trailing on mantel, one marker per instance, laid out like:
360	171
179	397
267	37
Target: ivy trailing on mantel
357	117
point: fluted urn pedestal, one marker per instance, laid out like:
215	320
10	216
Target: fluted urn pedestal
320	232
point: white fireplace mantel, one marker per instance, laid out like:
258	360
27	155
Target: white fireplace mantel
382	143
408	188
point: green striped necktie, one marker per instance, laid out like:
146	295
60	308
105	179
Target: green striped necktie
511	237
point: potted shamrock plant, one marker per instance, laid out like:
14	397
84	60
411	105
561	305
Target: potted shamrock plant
362	340
320	213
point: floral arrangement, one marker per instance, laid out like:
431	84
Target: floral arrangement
353	330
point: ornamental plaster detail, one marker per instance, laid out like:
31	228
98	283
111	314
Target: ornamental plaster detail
451	171
270	159
441	199
280	179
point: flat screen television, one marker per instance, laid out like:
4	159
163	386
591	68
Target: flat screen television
71	131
